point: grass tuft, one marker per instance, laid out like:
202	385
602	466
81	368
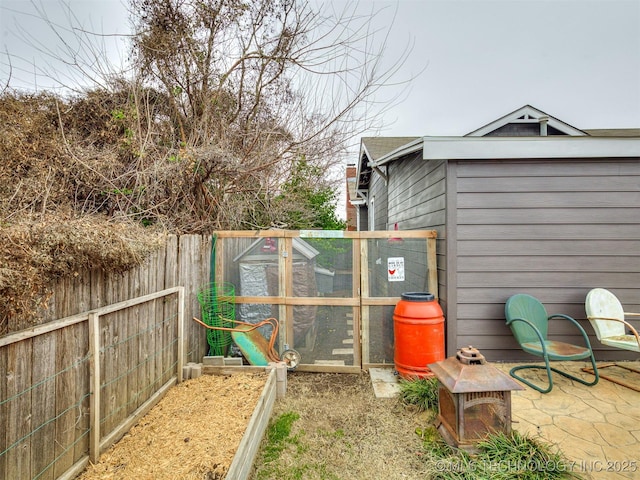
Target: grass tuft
277	435
502	457
420	392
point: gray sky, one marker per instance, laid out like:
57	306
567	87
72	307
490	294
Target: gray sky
577	60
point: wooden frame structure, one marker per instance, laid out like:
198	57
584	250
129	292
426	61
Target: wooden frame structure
362	299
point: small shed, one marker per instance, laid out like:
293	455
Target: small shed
258	272
524	204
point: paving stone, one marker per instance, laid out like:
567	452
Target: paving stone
579	428
632	411
553	434
604	406
385	382
579	449
618	463
590	414
534	416
525	427
621	420
520	402
560	403
342	351
614	435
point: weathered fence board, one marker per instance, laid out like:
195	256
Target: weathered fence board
46	365
18	419
83	290
59	383
4	409
44	346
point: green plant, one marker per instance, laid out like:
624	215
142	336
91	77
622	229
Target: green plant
277	435
118	115
333	251
524	457
434	443
311	201
421	392
502	457
279	442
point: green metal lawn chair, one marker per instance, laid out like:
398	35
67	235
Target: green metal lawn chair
529	323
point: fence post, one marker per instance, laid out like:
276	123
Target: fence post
181	336
94	370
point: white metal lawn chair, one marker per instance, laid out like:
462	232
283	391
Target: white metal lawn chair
607	317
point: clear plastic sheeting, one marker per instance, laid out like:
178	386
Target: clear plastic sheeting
253	283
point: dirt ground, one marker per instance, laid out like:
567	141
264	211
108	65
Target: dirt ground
343	431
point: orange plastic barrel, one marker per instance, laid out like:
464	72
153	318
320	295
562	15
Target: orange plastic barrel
418	328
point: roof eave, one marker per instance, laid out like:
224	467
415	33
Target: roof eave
481	148
409	148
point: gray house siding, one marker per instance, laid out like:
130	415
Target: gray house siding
378	193
417	200
362	214
553	229
516	213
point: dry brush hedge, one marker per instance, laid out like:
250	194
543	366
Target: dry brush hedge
35	253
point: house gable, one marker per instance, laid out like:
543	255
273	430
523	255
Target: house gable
527	121
372	149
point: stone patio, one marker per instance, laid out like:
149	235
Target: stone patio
596	427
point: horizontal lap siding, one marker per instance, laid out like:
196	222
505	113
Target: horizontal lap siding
551	229
378	192
417	202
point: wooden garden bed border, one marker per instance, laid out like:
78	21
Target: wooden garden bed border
245	456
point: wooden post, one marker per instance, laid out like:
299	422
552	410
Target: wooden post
285	266
432	267
364	294
94	368
181	335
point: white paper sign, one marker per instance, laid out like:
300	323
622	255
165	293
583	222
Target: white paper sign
395	269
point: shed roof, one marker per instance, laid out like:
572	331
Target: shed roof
614	132
376	147
298	245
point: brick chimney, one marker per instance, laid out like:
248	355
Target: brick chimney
352	212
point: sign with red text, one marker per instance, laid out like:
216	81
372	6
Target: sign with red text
395	269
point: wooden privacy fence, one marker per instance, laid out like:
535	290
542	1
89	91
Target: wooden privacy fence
109	346
76	385
182	261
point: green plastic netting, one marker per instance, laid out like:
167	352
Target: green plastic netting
218	306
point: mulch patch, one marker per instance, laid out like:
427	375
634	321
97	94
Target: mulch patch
192	433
